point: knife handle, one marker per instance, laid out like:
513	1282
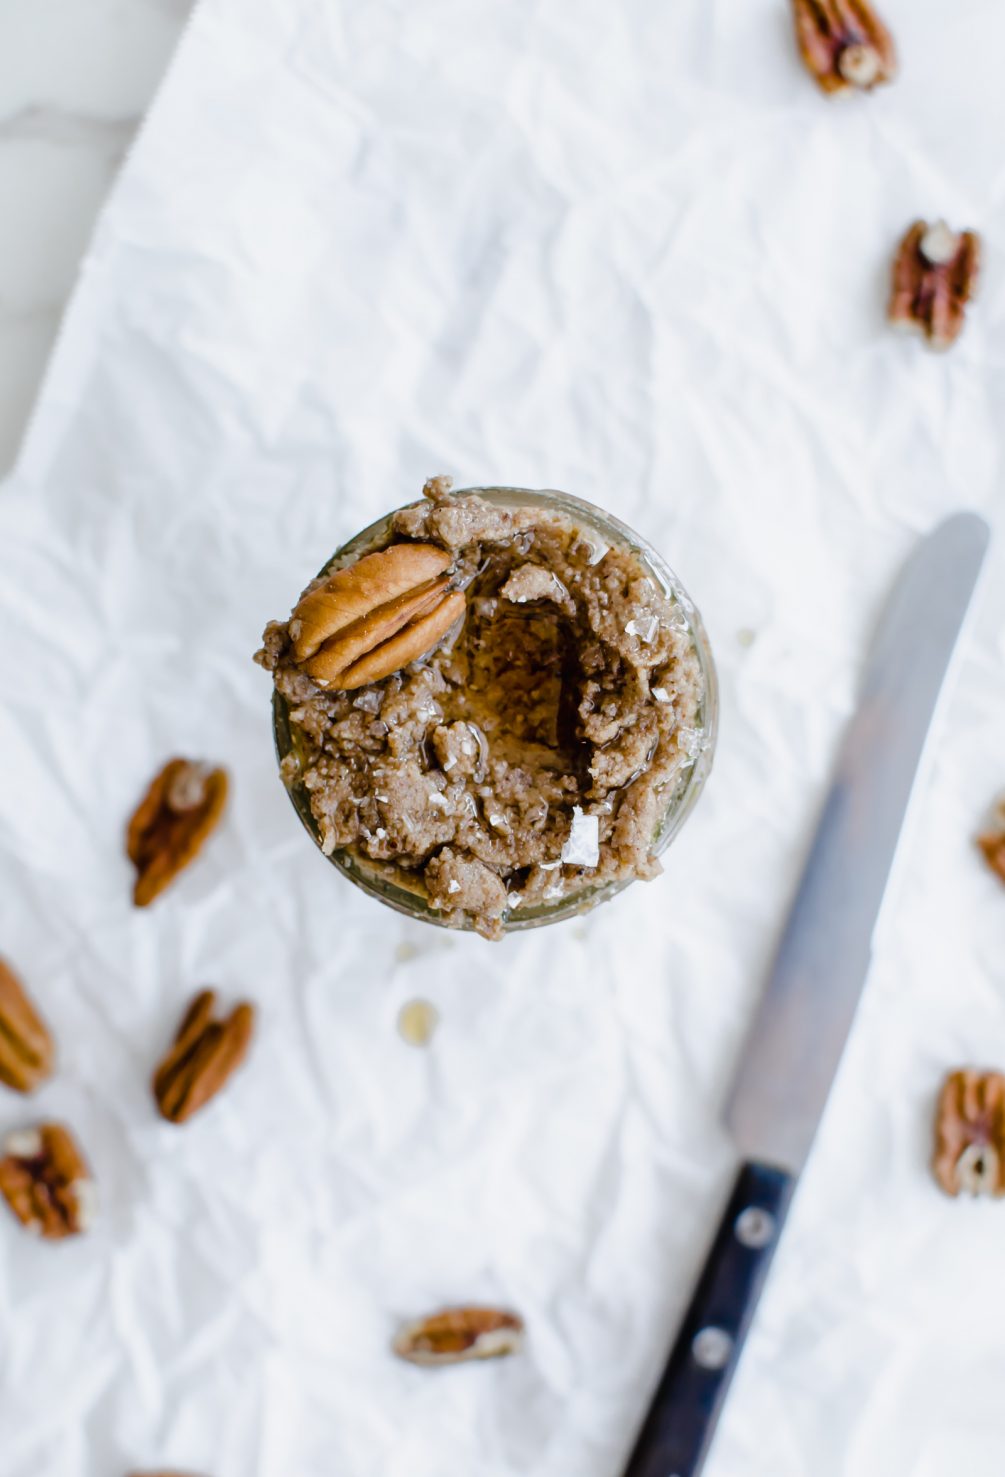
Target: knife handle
678	1430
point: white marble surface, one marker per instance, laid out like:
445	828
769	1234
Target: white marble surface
75	79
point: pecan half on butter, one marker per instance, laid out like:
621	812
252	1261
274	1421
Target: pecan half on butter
205	1053
26	1050
935	275
372	618
46	1182
456	1335
171	824
844	44
970	1134
992	843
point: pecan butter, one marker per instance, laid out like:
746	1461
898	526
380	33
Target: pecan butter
530	754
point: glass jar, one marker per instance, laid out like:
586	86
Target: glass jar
395	887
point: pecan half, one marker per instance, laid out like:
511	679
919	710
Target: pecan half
935	275
970	1134
46	1182
171	824
372	618
26	1050
204	1055
456	1335
844	44
992	843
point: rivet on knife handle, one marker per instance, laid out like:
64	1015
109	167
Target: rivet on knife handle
678	1430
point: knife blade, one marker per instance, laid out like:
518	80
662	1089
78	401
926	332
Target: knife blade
803	1020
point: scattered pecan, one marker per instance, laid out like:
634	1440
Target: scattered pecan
374	617
203	1056
935	275
970	1134
46	1182
26	1049
992	843
844	44
171	824
456	1335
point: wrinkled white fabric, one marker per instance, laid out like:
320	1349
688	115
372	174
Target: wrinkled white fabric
630	251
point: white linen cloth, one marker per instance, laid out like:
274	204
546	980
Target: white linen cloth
629	251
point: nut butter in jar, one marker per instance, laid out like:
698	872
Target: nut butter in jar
551	726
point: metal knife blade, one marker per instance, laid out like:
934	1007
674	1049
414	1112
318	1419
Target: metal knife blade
803	1020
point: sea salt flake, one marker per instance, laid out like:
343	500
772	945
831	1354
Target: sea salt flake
453	885
370	700
499	822
583	846
594	547
661	695
532	582
438	801
380	833
644	627
692	741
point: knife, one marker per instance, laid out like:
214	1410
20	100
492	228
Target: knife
802	1022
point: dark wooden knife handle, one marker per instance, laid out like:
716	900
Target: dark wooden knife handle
678	1430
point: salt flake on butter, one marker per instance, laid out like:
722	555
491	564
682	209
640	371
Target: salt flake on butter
583	846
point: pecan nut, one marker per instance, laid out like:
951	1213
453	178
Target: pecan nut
171	824
935	275
26	1050
992	843
457	1335
46	1182
844	44
372	618
204	1055
970	1134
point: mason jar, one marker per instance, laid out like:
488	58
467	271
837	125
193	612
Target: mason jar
395	887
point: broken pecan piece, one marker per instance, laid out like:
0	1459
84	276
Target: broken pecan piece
935	275
992	843
970	1134
171	824
844	44
372	618
46	1182
456	1335
26	1049
204	1055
